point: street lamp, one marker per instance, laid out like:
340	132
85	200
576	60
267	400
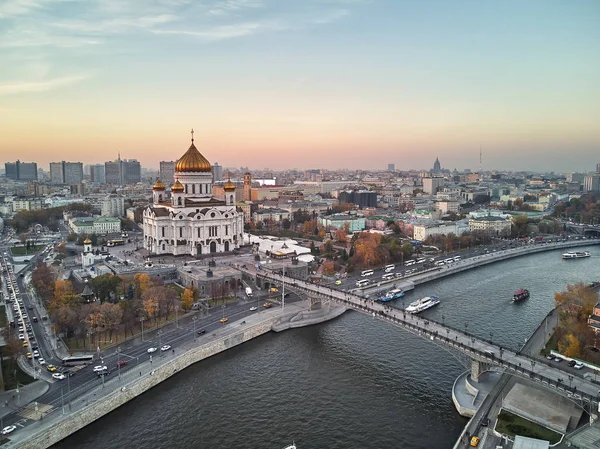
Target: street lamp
532	365
159	341
119	361
443	320
194	322
570	380
142	321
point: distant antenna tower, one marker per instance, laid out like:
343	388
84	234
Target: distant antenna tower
480	163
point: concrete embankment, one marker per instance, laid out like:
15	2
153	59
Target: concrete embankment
55	427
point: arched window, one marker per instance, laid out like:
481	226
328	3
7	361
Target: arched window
193	188
179	201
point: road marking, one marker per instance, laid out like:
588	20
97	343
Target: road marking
29	412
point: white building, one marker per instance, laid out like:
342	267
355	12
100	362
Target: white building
422	231
192	221
447	206
275	215
431	185
496	226
113	206
100	225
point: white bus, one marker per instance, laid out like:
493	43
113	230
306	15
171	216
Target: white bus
366	273
362	282
408	263
448	261
389	268
457	258
388	276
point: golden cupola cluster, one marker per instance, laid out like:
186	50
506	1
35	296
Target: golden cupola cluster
193	161
158	185
229	186
177	186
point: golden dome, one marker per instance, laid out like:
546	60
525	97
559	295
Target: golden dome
193	161
177	186
158	185
87	242
229	186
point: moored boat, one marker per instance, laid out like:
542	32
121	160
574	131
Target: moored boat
391	295
576	255
423	304
520	294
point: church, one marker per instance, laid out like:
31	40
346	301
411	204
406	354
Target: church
191	221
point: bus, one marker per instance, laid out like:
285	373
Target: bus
389	268
367	273
388	276
362	282
115	242
78	360
408	263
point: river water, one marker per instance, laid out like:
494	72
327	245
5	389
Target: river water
354	382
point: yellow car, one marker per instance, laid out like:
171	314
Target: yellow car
338	282
29	356
273	290
224	320
25	344
475	441
51	368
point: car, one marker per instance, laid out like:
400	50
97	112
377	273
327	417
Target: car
8	429
35	353
30	307
273	290
151	350
202	332
51	368
485	422
572	363
41	361
121	363
103	373
165	348
338	282
578	365
99	368
253	308
550	357
557	359
25	344
28	355
21	329
59	376
224	320
475	441
267	305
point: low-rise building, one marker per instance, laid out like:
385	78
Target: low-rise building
95	225
496	226
447	206
356	222
424	230
113	206
275	215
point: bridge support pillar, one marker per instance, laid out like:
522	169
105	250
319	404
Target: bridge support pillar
479	370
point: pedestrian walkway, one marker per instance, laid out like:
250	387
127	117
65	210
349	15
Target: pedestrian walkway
13	400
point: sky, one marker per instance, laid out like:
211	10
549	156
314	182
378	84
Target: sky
303	83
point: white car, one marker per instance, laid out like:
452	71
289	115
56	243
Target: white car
152	349
8	429
100	368
165	348
578	365
41	361
59	376
36	353
252	309
21	337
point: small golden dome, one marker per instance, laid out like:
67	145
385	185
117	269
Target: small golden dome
193	161
158	185
177	186
229	186
87	241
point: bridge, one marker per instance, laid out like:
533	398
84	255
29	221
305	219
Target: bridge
587	230
485	355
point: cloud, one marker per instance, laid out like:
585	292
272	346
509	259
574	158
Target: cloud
13	8
115	26
222	32
39	86
225	7
333	16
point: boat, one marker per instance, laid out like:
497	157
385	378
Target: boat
576	255
391	295
423	304
291	446
520	294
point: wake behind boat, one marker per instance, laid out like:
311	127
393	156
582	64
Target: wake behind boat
423	304
391	295
576	255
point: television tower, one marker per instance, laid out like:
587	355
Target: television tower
480	164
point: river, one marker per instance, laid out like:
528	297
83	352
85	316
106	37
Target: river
355	382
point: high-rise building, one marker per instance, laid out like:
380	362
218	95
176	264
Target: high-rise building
432	185
66	172
391	167
97	173
167	172
217	172
437	167
362	198
597	168
112	172
131	171
591	183
21	171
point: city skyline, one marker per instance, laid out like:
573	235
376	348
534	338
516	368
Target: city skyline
323	83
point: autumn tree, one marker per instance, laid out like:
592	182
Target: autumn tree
187	299
340	236
329	268
142	284
151	298
570	346
43	278
112	314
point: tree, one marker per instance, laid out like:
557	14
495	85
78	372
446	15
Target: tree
570	346
340	236
113	315
259	225
187	299
142	284
407	250
105	285
286	223
329	268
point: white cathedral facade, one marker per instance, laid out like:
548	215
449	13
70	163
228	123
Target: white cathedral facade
192	222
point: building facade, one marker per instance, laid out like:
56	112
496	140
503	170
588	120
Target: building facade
97	173
355	222
591	183
432	184
113	206
166	172
496	226
192	221
66	172
422	231
100	225
21	171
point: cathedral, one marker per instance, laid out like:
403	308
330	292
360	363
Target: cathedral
191	221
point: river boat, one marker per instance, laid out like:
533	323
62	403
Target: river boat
520	295
391	295
291	446
576	255
423	304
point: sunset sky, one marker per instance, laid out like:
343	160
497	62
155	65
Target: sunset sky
303	83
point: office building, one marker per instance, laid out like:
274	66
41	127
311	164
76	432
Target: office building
113	206
591	183
123	171
362	198
66	172
432	185
167	172
21	171
391	167
97	173
217	172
